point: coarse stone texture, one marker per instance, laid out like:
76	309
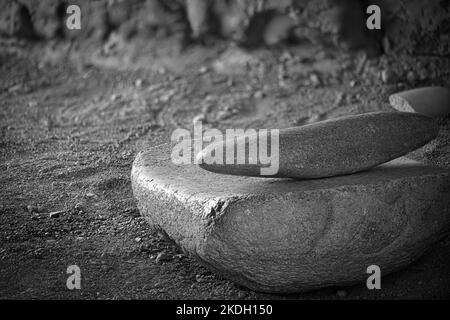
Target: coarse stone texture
430	101
324	149
282	235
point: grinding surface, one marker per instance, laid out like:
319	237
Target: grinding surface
283	235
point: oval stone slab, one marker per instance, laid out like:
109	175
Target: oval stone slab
284	235
331	148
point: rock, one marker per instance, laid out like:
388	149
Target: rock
32	209
282	235
55	214
235	62
278	29
15	88
315	80
32	104
258	95
203	70
388	76
430	101
197	14
327	148
138	82
115	97
161	257
21	22
314	117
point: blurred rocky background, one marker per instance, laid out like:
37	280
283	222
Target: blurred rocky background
416	27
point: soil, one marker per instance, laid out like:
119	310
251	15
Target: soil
71	127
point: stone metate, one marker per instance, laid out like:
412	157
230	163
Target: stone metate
285	235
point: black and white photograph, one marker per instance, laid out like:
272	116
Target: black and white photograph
225	156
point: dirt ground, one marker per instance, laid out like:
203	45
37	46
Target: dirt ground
70	130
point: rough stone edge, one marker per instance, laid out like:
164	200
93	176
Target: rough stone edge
403	255
204	217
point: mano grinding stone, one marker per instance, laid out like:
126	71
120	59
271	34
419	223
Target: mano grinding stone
334	147
430	101
284	235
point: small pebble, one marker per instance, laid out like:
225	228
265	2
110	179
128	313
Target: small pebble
199	278
210	98
258	95
161	257
138	239
339	98
32	209
138	82
15	88
166	97
32	103
315	80
55	214
314	117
